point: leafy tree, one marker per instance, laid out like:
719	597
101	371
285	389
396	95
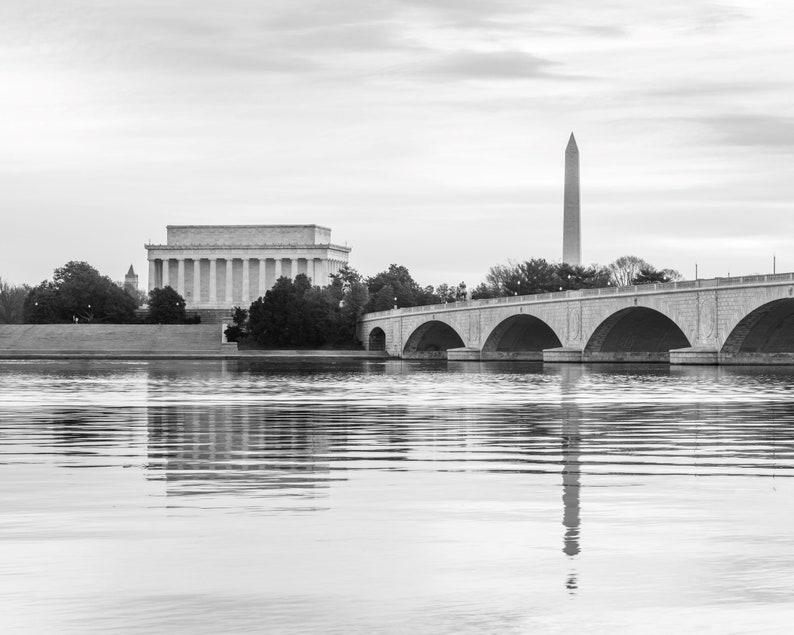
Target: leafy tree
238	329
12	303
296	314
351	296
42	307
140	296
524	278
397	282
77	291
403	287
484	291
445	293
344	278
166	306
352	307
649	275
571	277
280	317
382	300
323	322
539	276
448	293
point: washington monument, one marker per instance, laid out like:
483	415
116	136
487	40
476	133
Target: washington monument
571	238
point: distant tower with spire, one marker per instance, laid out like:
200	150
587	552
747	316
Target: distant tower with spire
571	236
131	282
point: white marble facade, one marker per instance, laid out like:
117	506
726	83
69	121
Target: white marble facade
220	266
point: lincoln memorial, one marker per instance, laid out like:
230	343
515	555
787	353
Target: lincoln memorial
220	266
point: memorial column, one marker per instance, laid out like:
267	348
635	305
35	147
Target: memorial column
278	270
262	282
196	281
152	273
213	299
246	292
180	277
166	277
229	281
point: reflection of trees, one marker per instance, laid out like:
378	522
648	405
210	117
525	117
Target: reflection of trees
86	432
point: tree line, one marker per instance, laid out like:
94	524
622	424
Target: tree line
78	293
298	313
294	313
540	276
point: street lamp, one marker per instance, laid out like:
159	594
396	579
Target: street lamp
395	302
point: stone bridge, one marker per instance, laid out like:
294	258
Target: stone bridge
747	320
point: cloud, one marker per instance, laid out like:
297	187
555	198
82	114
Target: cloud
347	111
768	131
489	65
709	88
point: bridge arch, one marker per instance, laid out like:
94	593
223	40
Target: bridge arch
432	340
377	340
636	333
520	336
767	329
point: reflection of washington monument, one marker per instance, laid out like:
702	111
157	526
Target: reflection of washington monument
571	417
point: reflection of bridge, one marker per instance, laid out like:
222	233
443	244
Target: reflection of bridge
723	320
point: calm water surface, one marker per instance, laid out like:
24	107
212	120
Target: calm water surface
390	497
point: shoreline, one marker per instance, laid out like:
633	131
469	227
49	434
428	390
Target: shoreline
195	355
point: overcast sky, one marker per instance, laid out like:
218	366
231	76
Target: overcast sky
429	133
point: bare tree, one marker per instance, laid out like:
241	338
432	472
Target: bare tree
625	269
12	302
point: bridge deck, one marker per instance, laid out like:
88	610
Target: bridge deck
747	319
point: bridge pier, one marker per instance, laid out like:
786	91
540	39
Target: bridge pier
464	354
512	356
626	357
563	355
694	355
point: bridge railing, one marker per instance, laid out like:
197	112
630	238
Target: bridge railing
700	283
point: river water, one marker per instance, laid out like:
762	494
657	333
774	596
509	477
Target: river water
395	497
